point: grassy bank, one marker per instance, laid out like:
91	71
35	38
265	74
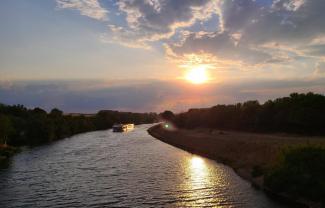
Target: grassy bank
253	156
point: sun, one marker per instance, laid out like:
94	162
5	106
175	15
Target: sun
197	75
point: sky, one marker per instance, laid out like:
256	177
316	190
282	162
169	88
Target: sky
133	55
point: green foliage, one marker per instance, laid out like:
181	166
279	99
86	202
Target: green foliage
299	172
21	126
298	113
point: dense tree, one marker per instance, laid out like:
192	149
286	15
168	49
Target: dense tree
21	126
298	113
167	115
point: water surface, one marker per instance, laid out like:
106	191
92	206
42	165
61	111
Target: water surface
106	169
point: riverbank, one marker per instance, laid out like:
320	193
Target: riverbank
104	166
6	152
247	153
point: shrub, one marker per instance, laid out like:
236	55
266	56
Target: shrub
299	171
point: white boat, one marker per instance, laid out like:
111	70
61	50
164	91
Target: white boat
122	127
130	126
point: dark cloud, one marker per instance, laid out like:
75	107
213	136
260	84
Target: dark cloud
285	21
242	27
222	45
149	95
293	24
292	27
160	15
240	13
148	21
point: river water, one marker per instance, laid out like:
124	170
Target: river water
131	169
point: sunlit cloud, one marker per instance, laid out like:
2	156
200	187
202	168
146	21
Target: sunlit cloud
89	8
246	34
150	21
238	39
320	69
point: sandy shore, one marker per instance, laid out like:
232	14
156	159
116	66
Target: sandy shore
241	151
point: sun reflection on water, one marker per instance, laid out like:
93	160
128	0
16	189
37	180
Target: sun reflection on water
198	173
197	184
197	163
203	185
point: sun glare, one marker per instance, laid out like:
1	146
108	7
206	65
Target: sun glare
197	162
197	75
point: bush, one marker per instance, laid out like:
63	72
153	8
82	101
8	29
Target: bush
299	171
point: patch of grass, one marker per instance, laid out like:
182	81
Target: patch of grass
299	172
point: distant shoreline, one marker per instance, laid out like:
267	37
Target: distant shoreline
244	152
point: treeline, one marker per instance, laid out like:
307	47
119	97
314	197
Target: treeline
298	113
22	126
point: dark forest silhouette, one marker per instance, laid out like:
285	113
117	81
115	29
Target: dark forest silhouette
22	126
298	113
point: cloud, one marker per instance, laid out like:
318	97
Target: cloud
153	20
222	45
320	69
146	95
314	50
290	5
292	26
248	33
90	8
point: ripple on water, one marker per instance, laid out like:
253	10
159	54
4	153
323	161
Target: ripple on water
105	169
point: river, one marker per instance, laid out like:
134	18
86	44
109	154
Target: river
131	169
